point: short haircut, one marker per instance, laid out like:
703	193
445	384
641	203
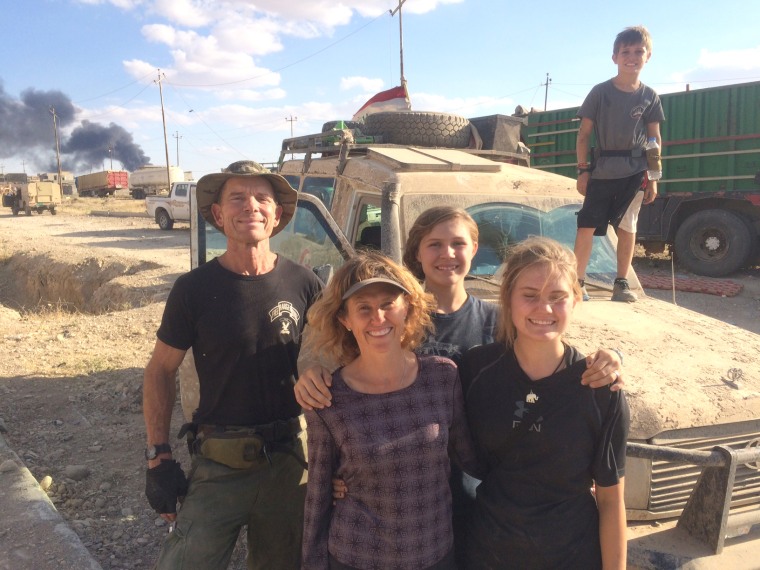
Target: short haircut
332	338
524	255
424	224
633	35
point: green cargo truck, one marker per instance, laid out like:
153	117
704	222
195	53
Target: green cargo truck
708	205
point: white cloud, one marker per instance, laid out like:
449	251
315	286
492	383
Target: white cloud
745	59
366	84
184	12
718	67
465	106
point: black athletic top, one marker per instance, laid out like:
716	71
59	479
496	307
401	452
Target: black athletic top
245	332
534	509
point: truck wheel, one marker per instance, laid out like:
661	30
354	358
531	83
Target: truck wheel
138	194
40	209
419	128
28	210
53	211
714	242
14	210
163	220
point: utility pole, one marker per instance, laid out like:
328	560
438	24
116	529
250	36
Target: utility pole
292	119
546	92
57	145
177	136
400	37
163	118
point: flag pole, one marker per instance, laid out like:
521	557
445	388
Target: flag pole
400	37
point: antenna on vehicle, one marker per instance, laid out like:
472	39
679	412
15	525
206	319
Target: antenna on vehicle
400	37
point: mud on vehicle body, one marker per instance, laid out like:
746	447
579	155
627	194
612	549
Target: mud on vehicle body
684	419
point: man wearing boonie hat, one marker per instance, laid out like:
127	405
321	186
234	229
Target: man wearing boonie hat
242	314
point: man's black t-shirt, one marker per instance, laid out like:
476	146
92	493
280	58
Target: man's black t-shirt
245	332
534	509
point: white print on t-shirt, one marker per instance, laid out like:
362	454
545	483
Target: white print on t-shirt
435	348
638	111
287	314
520	412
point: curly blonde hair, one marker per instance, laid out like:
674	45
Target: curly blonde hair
524	255
332	338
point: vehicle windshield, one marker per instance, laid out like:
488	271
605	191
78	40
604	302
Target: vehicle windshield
307	239
501	225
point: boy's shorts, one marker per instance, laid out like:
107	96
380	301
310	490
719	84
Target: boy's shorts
616	201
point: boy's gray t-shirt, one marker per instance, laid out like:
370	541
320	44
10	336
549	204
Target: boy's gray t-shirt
620	123
473	324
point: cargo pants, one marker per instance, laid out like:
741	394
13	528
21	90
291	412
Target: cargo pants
267	498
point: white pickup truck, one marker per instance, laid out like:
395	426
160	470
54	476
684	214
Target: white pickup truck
174	207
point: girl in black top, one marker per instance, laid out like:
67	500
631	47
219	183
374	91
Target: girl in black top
544	438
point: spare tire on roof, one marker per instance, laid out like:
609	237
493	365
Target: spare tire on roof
419	128
330	125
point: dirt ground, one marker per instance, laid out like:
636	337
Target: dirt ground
81	297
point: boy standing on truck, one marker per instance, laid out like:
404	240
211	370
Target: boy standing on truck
622	113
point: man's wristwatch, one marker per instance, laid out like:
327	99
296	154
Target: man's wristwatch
152	451
582	170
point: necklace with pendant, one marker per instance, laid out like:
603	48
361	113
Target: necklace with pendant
532	397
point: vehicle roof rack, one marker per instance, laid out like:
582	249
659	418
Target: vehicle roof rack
344	142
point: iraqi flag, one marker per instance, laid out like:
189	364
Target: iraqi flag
396	99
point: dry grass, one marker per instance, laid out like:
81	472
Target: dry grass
112	203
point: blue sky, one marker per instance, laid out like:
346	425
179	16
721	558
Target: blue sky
235	70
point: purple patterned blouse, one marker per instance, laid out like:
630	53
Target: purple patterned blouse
392	450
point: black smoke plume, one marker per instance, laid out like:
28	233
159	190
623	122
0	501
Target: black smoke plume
26	132
89	144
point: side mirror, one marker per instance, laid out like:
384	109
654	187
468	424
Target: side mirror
324	272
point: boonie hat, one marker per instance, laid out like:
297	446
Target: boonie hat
208	188
362	284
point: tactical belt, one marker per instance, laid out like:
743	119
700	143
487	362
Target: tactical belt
240	446
280	430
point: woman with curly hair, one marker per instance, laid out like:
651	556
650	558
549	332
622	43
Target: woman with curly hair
394	418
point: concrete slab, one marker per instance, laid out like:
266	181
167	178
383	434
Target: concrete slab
33	534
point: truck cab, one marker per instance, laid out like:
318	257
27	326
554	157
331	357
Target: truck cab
172	208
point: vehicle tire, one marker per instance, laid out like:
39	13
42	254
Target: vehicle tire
28	210
714	243
138	194
53	211
40	209
14	210
163	220
330	125
419	128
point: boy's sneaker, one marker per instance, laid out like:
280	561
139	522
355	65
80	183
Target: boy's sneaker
584	293
622	292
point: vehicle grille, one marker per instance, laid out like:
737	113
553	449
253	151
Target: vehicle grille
672	483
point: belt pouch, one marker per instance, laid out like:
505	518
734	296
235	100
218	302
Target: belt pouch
236	452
